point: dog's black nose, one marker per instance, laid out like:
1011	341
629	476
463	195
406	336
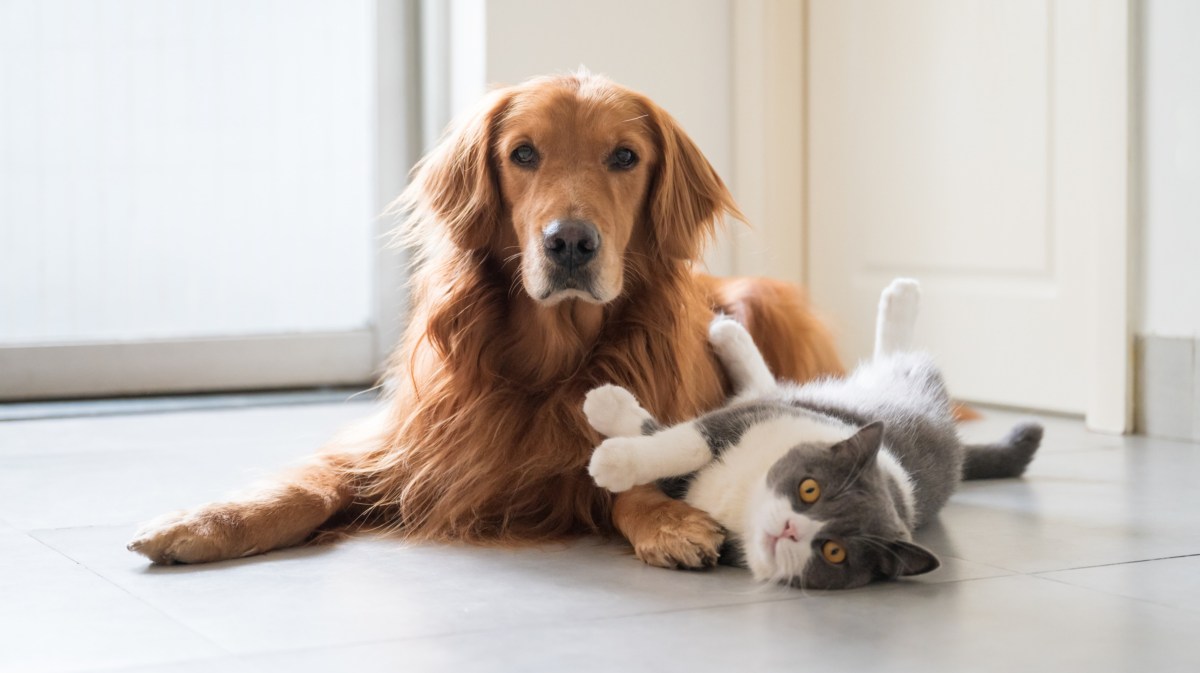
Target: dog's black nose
571	242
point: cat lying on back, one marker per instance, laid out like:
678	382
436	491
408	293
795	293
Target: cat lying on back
821	485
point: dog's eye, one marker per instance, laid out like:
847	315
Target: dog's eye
525	156
622	159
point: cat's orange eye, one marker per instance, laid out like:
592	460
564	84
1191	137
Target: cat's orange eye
810	491
833	552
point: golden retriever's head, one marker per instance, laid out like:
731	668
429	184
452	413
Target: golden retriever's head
571	178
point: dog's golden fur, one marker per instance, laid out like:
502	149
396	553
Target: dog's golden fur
483	437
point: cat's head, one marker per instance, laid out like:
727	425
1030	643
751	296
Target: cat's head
825	519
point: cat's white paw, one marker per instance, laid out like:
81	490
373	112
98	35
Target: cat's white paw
900	300
898	306
728	336
740	357
614	412
613	465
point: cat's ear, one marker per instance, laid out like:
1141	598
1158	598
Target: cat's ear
863	446
906	558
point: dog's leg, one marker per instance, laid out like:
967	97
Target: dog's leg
279	514
666	532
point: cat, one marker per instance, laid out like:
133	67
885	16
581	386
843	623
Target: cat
819	486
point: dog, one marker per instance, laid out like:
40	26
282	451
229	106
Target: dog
554	231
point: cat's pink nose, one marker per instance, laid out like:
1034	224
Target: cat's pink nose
789	531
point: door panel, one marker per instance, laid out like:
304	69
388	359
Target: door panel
935	153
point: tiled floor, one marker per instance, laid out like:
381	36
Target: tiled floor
1091	563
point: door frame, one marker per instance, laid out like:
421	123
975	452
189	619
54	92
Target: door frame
770	138
770	62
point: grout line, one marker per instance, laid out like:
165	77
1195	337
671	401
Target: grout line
139	599
535	626
155	666
788	595
604	618
85	526
1114	594
1118	563
1010	571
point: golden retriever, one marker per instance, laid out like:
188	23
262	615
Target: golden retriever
555	229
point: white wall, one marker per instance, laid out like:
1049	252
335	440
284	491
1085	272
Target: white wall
186	168
1170	239
676	51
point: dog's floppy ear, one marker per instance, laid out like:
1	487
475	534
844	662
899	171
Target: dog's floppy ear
687	198
455	183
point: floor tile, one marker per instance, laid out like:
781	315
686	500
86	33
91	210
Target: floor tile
72	489
1000	625
219	665
179	432
1078	509
369	589
124	488
121	470
958	570
56	615
376	588
1173	581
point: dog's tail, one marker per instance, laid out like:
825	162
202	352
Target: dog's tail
796	344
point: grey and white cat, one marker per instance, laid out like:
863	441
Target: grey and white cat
818	485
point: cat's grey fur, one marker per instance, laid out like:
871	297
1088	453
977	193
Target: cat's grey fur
881	444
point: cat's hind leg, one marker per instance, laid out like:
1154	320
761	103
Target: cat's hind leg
741	359
897	317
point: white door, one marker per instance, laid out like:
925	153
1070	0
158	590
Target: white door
981	148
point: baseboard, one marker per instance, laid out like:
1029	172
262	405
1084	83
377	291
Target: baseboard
151	367
1167	402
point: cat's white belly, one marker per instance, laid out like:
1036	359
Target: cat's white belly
723	487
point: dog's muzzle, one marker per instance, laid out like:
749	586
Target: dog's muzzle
571	244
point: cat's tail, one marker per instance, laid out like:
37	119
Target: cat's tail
1007	458
897	317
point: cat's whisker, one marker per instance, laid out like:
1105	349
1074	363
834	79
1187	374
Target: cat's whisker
883	545
852	478
796	581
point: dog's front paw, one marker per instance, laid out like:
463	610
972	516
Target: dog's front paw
195	536
614	412
685	537
614	464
